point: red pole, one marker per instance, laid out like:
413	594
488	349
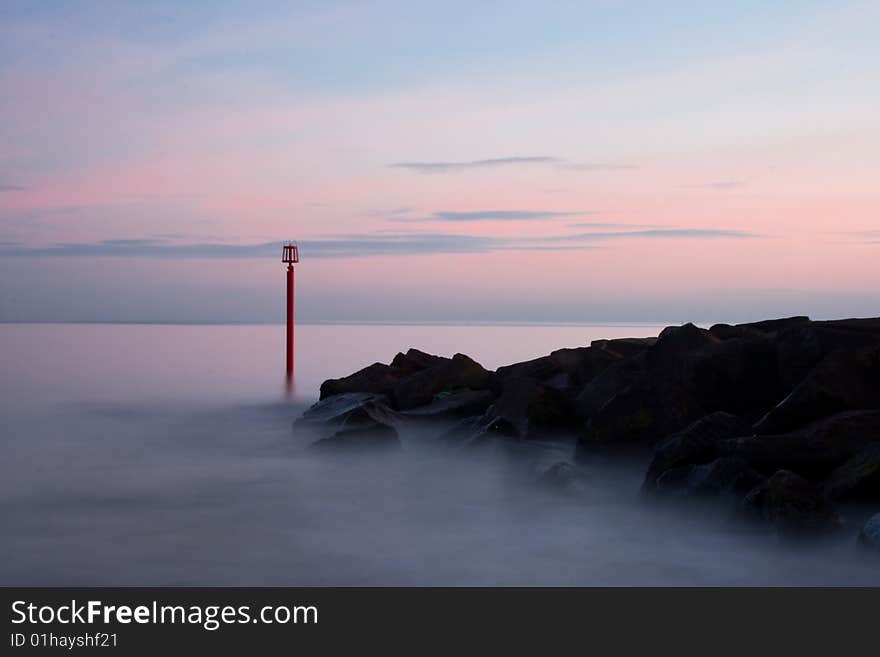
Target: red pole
289	320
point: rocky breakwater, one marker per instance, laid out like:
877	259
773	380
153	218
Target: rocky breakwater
779	420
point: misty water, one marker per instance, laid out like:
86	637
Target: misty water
165	455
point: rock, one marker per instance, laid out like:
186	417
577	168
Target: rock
415	361
458	404
530	408
353	406
458	373
360	438
624	347
858	479
490	428
352	420
792	505
696	444
844	380
738	375
813	451
869	537
687	374
801	348
563	368
379	378
726	475
775	325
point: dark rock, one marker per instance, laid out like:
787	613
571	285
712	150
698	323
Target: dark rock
726	475
801	348
775	325
531	407
458	373
813	451
474	431
349	407
869	325
687	374
462	403
415	361
377	378
623	347
843	380
792	505
360	438
696	444
563	368
869	537
858	479
352	420
380	378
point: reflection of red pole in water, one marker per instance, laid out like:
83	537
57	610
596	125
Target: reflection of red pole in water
290	255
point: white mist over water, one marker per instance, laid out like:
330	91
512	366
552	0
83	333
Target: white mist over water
165	455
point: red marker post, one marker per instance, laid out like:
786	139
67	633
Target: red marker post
290	255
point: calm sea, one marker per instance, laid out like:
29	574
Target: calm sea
155	454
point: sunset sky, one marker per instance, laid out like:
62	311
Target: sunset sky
459	161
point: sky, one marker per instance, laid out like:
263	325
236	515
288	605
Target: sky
439	161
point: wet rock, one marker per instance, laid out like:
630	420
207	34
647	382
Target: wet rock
458	404
844	380
353	420
726	475
792	505
459	372
869	537
858	479
696	444
813	451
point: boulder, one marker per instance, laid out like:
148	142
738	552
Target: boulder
844	380
696	444
563	368
801	348
531	408
377	378
775	325
415	361
869	537
380	378
726	475
687	374
457	373
858	479
623	347
792	505
452	405
813	451
352	420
